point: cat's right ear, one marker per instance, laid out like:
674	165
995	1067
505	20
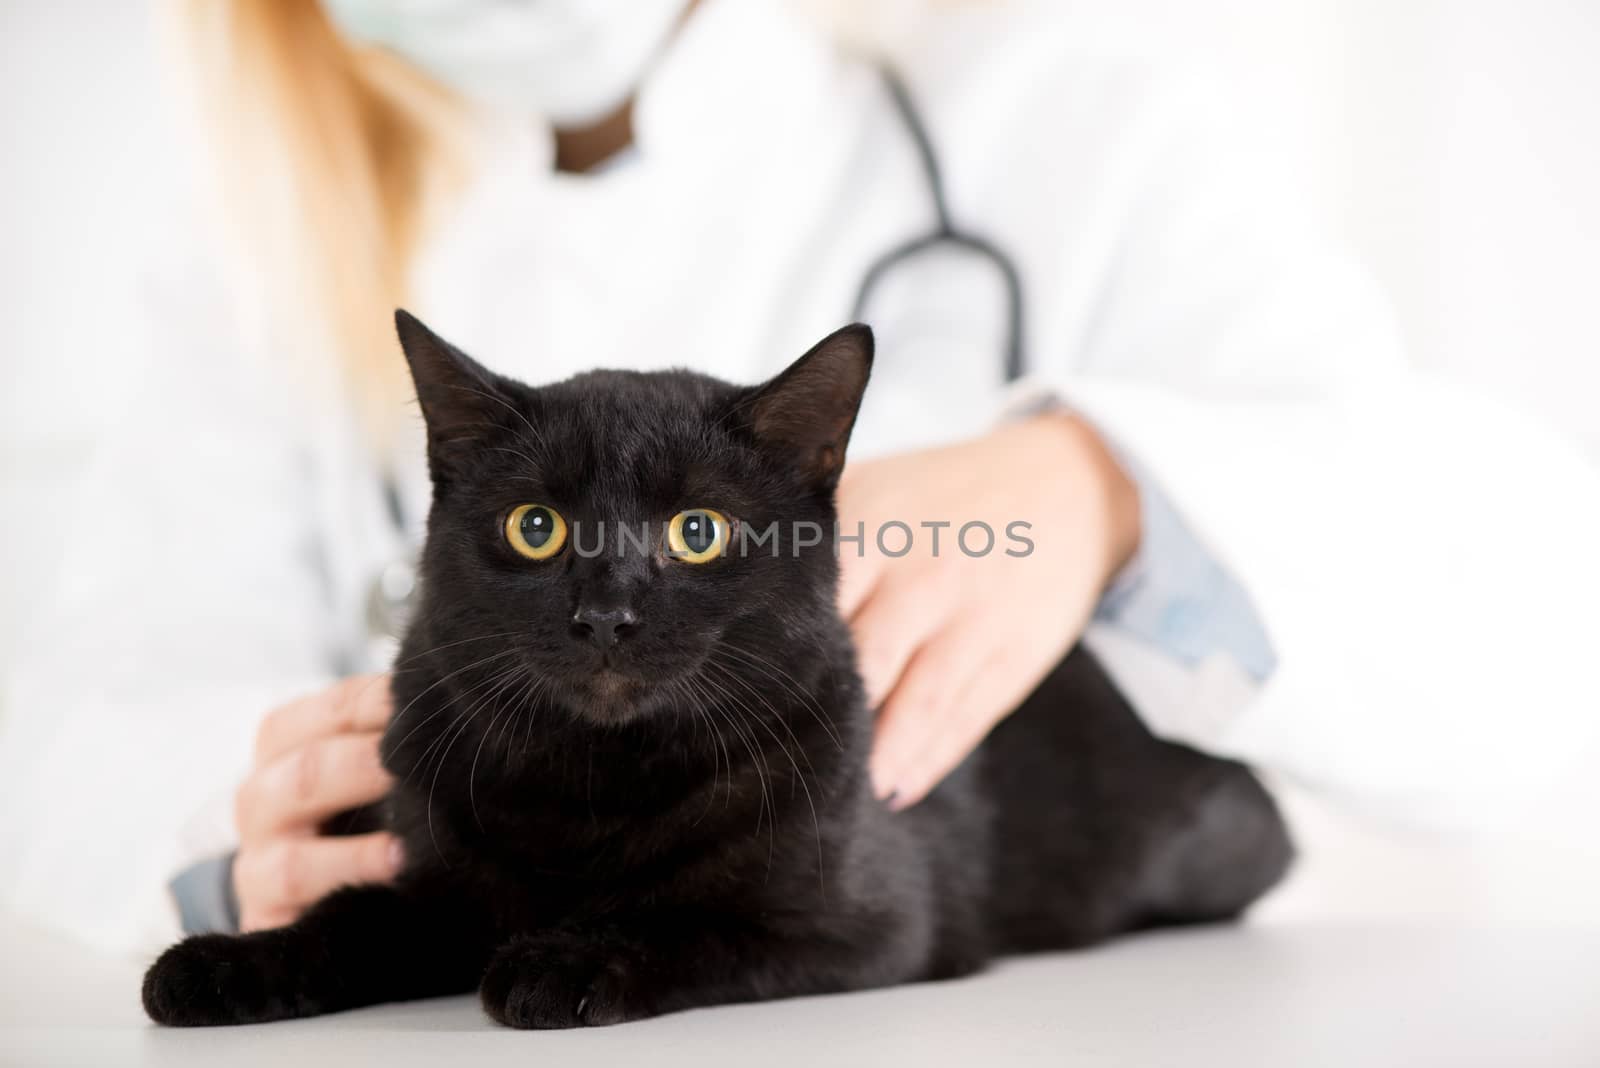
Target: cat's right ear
460	398
809	410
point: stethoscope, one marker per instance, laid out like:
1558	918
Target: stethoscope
393	587
945	233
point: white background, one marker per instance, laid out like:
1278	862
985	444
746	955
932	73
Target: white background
1456	143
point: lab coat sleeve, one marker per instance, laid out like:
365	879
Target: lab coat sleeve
188	606
1175	596
1420	555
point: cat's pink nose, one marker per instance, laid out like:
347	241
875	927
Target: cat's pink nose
604	627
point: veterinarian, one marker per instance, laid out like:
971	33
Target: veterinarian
1279	538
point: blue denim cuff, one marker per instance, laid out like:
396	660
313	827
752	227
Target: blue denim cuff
204	893
1176	597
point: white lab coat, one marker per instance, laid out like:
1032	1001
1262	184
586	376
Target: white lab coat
1422	558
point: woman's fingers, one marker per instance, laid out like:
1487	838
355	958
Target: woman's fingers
921	708
895	619
278	880
858	573
315	757
254	919
998	682
934	747
306	785
359	703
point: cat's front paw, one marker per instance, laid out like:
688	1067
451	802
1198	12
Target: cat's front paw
206	980
561	980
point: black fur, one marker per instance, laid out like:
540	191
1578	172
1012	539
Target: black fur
686	820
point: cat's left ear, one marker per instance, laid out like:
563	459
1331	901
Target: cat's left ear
458	395
809	410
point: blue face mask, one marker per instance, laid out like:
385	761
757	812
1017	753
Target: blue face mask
572	61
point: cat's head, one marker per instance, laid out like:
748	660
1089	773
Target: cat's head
621	543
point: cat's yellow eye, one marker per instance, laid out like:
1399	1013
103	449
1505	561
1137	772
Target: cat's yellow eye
697	536
537	531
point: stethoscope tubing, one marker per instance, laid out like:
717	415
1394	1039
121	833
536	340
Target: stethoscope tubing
945	232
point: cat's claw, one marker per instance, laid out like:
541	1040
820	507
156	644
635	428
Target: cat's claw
558	982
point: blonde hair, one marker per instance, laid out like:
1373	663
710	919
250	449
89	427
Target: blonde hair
332	161
330	158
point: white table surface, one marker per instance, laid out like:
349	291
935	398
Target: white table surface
1285	996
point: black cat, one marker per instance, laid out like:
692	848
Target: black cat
630	783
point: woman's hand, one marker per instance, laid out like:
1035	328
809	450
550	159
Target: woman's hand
950	643
315	757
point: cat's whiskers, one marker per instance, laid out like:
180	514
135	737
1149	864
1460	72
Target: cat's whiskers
728	671
506	405
400	664
480	687
521	704
512	706
532	704
523	456
790	683
816	824
757	759
518	453
707	701
394	720
702	704
677	690
472	772
464	719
